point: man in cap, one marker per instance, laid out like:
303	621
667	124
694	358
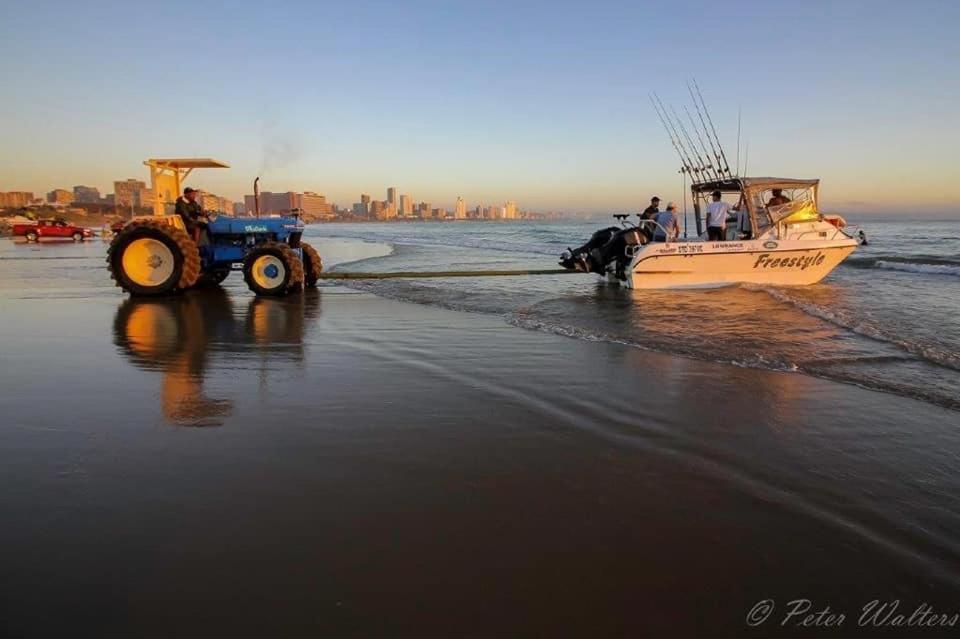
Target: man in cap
191	213
717	212
650	213
668	224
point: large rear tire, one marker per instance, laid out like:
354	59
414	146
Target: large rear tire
312	265
151	258
273	269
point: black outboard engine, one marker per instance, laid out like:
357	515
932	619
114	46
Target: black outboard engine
603	247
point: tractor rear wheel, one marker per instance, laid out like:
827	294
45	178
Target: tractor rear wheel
151	258
273	269
312	265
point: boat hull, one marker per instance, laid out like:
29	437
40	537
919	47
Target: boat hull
715	264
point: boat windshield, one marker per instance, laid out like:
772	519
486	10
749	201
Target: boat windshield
772	205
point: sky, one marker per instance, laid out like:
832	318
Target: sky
545	103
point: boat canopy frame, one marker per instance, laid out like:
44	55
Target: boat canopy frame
746	187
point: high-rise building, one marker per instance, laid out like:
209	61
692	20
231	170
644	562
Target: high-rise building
273	203
392	197
439	214
510	210
424	209
132	193
86	194
16	199
478	212
239	208
460	213
60	196
378	210
406	205
315	204
365	199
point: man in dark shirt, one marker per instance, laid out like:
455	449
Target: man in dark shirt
191	213
651	211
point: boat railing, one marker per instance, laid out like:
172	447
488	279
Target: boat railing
657	225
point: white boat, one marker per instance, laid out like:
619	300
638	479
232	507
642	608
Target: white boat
791	243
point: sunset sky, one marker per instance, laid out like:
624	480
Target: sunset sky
541	102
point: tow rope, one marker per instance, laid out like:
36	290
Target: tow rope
337	275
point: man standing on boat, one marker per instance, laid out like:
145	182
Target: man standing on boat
650	213
668	225
717	212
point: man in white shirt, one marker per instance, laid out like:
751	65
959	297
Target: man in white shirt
668	222
717	212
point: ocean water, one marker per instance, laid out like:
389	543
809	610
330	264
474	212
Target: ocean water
886	319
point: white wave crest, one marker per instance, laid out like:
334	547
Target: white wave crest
914	267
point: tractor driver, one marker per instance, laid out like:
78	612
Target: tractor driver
192	214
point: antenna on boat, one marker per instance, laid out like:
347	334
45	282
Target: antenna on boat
746	156
738	141
712	128
697	131
688	166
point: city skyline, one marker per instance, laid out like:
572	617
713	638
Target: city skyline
552	111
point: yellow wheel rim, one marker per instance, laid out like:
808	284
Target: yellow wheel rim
148	262
269	271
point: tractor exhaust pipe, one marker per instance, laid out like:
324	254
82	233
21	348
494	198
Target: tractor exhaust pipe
256	196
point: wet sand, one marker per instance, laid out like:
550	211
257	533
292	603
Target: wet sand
338	464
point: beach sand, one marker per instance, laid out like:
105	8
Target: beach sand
338	464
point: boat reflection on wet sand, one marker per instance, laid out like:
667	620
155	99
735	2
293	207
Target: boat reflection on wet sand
178	336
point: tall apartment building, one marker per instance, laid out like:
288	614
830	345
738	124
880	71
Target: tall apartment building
132	193
460	212
392	197
60	196
86	194
315	204
272	203
16	199
510	210
406	205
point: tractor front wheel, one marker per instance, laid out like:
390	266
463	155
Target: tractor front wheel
273	269
312	265
152	258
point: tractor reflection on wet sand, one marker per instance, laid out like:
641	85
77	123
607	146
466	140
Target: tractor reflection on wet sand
155	256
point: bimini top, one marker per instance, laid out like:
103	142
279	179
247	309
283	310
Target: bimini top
738	183
188	163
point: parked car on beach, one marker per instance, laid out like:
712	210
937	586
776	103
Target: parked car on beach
51	229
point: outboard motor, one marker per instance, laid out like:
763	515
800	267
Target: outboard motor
586	257
605	246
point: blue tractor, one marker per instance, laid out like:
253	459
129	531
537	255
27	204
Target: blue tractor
154	255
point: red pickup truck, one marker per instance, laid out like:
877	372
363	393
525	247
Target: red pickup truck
51	229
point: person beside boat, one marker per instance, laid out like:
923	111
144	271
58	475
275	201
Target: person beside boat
717	212
668	225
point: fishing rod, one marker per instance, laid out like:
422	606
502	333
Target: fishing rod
707	166
696	130
738	141
705	130
684	160
697	170
713	128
